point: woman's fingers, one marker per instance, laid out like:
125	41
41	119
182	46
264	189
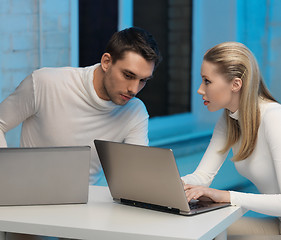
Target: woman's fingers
193	192
205	193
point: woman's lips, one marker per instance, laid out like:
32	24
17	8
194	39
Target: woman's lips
206	102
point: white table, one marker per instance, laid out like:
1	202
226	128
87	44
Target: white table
104	219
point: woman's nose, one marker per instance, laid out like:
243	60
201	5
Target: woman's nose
201	90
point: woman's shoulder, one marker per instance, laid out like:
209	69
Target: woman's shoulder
270	110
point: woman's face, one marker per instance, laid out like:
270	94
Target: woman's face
216	91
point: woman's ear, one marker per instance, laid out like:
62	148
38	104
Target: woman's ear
236	84
106	61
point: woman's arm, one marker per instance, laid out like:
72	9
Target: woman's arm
212	159
269	204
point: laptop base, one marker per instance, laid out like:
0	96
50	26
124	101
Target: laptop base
148	206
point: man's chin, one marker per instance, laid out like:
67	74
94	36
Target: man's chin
121	103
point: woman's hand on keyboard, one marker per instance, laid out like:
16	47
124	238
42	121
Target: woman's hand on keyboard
197	192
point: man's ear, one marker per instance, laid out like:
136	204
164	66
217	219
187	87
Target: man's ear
106	61
236	84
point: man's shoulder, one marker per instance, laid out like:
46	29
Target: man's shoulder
49	75
53	70
62	73
136	102
135	105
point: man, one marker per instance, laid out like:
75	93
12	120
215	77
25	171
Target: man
73	106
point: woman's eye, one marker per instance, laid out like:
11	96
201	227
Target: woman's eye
207	81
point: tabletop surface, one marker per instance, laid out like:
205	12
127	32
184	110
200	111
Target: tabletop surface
102	218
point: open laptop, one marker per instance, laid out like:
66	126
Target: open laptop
147	177
48	175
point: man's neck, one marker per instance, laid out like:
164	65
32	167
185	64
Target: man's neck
98	76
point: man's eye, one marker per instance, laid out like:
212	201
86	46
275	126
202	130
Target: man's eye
144	80
128	76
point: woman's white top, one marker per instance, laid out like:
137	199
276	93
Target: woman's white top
262	167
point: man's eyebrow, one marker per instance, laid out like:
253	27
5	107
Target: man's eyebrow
128	71
135	75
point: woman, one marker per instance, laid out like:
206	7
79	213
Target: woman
251	126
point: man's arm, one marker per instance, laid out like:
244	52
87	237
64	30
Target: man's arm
3	142
137	117
139	134
16	108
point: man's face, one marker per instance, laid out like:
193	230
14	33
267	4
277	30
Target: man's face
126	77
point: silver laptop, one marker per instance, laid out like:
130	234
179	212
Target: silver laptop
49	175
147	177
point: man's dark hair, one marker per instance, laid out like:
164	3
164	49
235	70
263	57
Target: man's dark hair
133	39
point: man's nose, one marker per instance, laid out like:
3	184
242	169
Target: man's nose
133	87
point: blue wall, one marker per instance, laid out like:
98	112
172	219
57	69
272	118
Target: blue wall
35	34
259	27
38	33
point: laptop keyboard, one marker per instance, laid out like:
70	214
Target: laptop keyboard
193	206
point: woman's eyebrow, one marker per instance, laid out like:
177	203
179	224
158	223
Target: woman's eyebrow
203	75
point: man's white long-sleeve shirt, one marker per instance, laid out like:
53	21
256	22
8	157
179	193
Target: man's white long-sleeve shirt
60	107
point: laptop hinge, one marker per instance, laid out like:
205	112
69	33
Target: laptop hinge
149	206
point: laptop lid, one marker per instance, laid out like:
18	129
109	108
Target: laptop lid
47	175
145	177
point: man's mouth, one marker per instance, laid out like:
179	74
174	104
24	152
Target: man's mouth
126	97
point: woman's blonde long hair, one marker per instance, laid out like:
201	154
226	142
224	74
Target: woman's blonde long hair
235	60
